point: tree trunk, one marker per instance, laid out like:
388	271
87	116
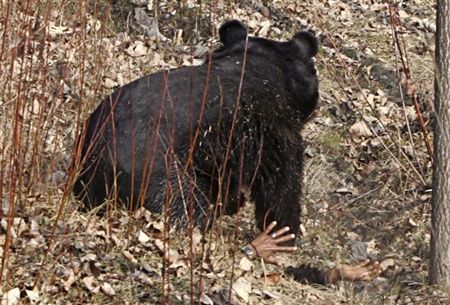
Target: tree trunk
440	216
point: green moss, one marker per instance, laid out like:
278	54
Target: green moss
331	140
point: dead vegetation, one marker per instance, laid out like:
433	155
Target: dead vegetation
367	192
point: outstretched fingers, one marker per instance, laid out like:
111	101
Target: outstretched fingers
284	238
280	249
372	270
270	228
266	244
280	232
365	271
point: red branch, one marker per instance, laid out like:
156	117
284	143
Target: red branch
410	88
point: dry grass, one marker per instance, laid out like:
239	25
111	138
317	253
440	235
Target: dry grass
57	59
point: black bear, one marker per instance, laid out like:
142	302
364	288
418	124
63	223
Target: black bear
184	142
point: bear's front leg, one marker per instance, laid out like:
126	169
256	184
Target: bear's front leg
277	198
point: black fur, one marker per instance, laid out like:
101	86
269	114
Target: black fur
307	275
232	32
182	140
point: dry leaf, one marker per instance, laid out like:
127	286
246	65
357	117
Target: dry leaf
90	281
197	236
117	241
107	289
71	278
32	295
347	190
385	264
11	297
137	49
272	279
204	299
143	278
130	257
245	264
242	288
412	222
54	30
89	257
4	225
371	248
109	83
360	129
264	28
271	294
93	25
157	225
143	238
171	255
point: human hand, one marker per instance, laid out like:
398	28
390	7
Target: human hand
267	244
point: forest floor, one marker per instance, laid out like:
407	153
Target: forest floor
366	188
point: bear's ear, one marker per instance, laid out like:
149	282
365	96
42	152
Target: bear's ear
232	32
306	43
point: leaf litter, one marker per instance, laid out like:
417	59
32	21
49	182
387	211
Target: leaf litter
357	203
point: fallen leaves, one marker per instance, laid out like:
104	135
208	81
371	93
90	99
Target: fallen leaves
109	83
32	295
136	49
55	30
387	263
242	287
91	284
171	255
91	258
71	278
11	297
129	256
272	279
245	264
143	238
107	289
